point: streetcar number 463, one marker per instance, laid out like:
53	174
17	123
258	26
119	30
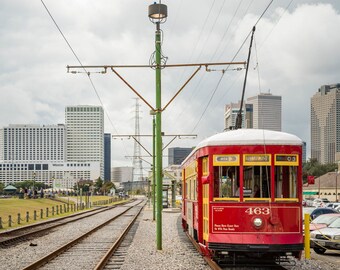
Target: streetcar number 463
258	211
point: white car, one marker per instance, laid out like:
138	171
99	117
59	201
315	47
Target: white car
320	202
332	204
326	238
337	208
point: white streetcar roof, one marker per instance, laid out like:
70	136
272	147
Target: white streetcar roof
251	137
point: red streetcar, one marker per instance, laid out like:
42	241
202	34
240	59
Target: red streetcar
242	194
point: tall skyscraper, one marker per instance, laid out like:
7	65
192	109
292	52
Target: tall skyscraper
107	156
85	134
325	124
177	155
267	110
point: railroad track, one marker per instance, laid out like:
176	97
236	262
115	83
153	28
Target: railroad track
94	248
26	233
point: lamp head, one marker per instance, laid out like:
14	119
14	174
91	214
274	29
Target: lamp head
158	12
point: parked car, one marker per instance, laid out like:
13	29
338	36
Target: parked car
307	210
326	238
322	210
323	221
337	208
320	202
332	204
309	202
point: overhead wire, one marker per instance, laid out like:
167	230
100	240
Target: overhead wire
227	29
204	44
225	32
257	67
219	81
191	56
245	12
277	22
210	32
80	63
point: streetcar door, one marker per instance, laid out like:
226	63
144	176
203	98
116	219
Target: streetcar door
205	199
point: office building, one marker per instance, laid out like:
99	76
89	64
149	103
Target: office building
34	152
107	157
121	174
65	173
85	134
266	111
29	143
325	124
230	114
177	154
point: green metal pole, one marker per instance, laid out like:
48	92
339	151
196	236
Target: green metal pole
153	168
159	181
173	192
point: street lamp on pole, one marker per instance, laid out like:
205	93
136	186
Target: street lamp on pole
157	15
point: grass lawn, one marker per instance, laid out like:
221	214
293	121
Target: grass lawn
13	206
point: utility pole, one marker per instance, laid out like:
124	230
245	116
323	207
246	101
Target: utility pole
157	14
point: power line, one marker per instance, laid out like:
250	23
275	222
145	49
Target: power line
277	22
80	63
194	49
219	81
212	27
227	29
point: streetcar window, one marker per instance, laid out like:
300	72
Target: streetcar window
256	181
225	181
286	181
191	188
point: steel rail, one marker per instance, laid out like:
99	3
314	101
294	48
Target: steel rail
46	226
212	264
42	261
102	263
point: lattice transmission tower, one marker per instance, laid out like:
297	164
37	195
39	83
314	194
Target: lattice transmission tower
137	161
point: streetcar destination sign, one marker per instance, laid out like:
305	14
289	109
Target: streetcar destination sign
223	160
256	159
286	159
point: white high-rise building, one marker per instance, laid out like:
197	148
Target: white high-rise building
267	110
85	134
34	152
30	143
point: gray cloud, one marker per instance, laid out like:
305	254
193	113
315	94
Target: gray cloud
297	53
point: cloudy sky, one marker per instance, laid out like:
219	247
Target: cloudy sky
297	51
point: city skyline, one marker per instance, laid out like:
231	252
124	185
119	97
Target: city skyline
292	56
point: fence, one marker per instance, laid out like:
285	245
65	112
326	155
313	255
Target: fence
55	210
105	202
41	214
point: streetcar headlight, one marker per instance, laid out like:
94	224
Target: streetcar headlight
336	237
257	222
